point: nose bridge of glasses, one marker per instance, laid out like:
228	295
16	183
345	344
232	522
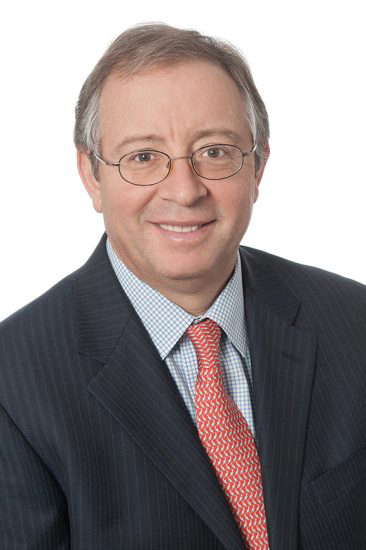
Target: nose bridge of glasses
189	157
183	157
169	163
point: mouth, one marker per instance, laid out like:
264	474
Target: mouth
181	228
192	231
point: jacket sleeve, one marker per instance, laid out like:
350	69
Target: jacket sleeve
33	509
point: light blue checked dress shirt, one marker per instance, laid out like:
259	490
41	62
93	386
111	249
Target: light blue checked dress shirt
167	323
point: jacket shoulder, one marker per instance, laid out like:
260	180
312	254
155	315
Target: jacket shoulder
32	331
315	288
289	269
58	296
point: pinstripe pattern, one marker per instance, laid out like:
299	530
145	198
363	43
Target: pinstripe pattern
98	450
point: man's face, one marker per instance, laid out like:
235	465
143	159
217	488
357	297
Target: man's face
175	110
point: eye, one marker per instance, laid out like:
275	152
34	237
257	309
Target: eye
214	153
142	157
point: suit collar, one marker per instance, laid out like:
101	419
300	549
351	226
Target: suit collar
103	309
283	361
260	279
135	386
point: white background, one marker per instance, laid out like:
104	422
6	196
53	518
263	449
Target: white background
308	60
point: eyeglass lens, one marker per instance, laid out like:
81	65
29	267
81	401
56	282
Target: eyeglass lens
147	167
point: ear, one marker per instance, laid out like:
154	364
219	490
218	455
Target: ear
87	176
259	173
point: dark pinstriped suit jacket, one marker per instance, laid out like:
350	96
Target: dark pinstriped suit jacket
98	451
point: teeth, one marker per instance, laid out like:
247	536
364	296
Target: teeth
179	228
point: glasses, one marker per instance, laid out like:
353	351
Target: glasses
149	167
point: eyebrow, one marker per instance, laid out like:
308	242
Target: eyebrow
151	138
138	138
226	132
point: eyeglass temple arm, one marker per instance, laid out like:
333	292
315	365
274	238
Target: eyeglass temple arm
252	150
104	161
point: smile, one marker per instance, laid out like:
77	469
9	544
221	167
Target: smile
180	228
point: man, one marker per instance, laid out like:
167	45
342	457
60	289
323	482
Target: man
180	391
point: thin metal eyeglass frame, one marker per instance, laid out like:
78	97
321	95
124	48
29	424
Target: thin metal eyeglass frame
189	157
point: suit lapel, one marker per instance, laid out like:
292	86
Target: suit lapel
135	386
283	359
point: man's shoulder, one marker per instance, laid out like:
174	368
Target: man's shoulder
53	308
58	317
291	271
58	300
317	289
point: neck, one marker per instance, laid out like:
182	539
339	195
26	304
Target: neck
195	297
196	294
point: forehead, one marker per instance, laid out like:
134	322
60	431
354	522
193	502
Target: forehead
175	102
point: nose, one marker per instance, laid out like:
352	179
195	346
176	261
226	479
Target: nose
182	186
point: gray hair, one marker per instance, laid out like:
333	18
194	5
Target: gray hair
153	45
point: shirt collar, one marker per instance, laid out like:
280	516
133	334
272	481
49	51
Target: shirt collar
166	322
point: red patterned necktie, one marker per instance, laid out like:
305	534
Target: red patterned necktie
227	438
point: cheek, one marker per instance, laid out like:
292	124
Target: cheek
124	205
236	211
238	202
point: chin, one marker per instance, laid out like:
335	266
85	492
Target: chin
184	272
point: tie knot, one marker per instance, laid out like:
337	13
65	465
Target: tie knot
206	334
